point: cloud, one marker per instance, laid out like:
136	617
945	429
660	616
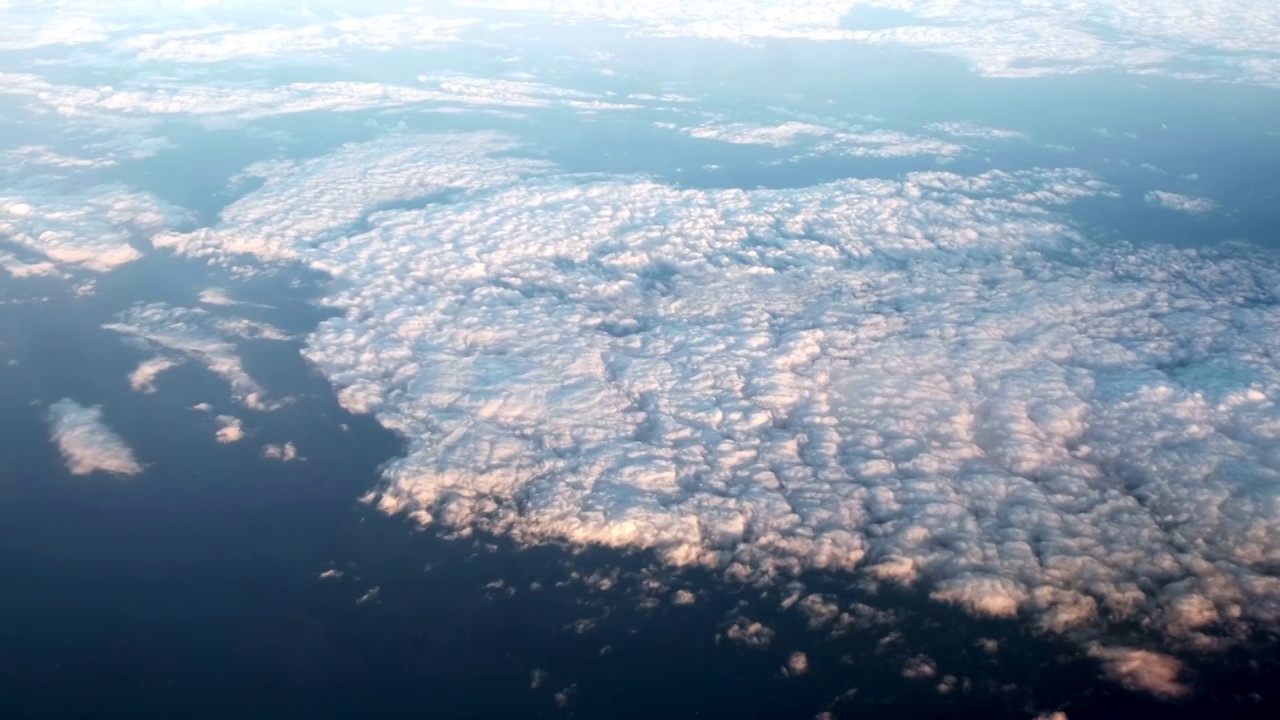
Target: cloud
220	44
1194	38
1004	38
824	140
203	338
95	232
918	667
350	184
222	103
1143	670
230	429
27	156
284	453
86	443
977	132
1180	203
750	633
216	296
797	664
143	379
933	380
20	269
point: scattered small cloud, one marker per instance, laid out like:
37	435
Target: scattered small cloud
750	633
919	667
230	429
284	453
565	697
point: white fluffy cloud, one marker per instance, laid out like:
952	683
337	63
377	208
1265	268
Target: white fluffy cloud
230	429
86	443
1229	40
229	42
934	380
97	232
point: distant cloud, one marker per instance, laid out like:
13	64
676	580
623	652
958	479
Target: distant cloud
1003	38
86	443
220	44
1181	203
824	140
40	156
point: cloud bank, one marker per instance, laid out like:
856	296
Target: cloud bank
86	443
933	381
1230	41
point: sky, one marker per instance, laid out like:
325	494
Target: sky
927	367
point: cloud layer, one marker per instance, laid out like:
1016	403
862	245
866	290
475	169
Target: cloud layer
86	443
1007	38
934	381
1230	41
96	232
